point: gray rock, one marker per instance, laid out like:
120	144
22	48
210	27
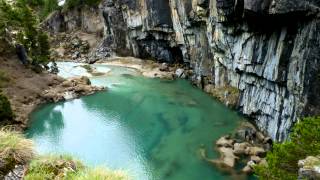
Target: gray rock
309	168
179	72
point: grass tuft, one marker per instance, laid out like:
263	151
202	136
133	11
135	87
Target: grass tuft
53	167
14	150
101	174
66	167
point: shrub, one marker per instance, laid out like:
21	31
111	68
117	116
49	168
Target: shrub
65	168
19	17
14	149
5	108
283	159
48	7
53	167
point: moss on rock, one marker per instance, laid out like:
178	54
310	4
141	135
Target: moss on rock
227	94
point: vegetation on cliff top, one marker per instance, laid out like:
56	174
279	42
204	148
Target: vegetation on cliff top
18	22
283	159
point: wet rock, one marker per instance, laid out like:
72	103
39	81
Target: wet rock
240	148
255	159
249	167
227	156
179	73
225	141
246	132
164	67
255	151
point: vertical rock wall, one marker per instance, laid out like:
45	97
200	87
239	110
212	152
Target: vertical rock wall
268	49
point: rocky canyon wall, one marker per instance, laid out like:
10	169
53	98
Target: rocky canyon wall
268	49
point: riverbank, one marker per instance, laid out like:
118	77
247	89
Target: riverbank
26	89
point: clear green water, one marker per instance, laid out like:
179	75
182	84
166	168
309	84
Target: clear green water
151	128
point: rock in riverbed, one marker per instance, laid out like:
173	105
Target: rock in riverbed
70	89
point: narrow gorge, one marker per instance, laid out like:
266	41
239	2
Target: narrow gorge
267	49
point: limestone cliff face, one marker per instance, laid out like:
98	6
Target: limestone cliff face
268	49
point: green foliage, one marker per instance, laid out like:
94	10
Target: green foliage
65	168
100	174
20	17
283	159
5	108
48	7
70	4
53	167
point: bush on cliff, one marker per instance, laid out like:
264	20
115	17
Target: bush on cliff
18	17
5	108
283	159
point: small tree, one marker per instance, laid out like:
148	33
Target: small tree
283	159
21	18
5	108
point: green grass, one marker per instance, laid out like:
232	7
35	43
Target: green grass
14	149
6	112
65	168
53	167
101	174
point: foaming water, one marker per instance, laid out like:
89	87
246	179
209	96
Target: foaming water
151	128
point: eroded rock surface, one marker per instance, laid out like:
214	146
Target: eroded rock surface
271	63
70	89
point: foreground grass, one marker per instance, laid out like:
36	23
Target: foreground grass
15	149
66	167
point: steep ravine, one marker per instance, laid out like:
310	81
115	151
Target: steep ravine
268	49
